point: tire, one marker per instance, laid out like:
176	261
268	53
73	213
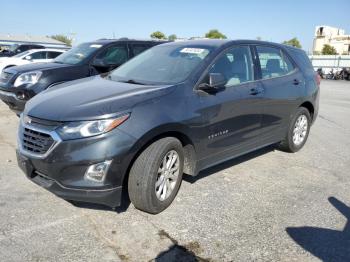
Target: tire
146	172
294	145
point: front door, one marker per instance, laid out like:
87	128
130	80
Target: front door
231	117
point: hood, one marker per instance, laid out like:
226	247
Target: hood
37	66
9	60
90	98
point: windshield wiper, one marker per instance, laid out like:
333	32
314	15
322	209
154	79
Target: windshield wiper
132	81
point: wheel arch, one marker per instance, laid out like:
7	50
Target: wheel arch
8	66
161	132
310	107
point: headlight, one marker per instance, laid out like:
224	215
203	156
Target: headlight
29	78
81	129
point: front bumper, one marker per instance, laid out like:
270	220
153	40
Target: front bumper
62	170
12	101
110	197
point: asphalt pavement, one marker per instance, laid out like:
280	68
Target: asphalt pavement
265	206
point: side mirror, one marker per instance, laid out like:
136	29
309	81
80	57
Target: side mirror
28	57
216	82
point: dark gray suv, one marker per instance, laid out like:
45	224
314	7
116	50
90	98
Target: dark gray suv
176	108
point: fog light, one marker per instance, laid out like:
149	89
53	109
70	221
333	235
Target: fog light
21	96
97	172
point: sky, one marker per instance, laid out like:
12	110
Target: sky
90	20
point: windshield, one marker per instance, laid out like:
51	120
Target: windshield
22	54
169	64
12	48
77	54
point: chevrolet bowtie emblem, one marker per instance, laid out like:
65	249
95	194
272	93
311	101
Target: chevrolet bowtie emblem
27	120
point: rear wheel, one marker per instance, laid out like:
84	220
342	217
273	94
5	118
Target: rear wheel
298	131
156	175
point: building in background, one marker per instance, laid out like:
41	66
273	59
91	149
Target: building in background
336	37
9	39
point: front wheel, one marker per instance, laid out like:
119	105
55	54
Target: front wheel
298	131
156	175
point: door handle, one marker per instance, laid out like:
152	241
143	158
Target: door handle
296	82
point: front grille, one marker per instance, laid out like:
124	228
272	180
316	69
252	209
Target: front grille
36	142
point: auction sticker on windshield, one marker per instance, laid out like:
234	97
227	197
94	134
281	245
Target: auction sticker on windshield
95	46
188	50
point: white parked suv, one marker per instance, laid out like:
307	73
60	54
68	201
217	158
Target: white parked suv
30	56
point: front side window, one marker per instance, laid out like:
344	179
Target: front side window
163	64
114	55
78	54
235	65
38	55
52	54
273	62
139	48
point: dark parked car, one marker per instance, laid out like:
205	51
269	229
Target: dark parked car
176	108
20	83
16	49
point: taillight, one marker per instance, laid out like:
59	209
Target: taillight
318	79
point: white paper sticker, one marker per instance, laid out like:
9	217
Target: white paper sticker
188	50
95	46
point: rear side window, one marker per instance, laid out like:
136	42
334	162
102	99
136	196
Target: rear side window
139	48
273	62
301	59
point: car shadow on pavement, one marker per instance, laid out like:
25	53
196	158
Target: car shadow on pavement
125	203
177	253
326	244
229	163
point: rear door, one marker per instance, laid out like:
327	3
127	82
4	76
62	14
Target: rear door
283	85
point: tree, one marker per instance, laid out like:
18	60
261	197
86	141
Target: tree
293	42
158	35
172	37
215	34
63	39
328	50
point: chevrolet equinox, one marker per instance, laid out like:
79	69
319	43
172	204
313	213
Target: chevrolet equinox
176	108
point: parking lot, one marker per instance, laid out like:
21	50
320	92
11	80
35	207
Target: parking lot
268	205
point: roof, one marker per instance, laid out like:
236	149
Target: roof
29	39
106	40
46	49
223	42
